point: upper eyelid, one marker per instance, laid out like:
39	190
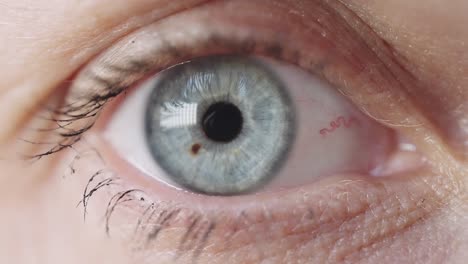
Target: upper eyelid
106	64
332	51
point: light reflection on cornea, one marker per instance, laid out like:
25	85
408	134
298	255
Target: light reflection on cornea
179	115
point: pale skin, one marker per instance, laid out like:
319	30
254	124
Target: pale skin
44	43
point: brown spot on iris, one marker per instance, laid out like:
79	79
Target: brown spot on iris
196	149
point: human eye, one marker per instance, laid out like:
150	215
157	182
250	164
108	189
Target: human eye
316	152
227	125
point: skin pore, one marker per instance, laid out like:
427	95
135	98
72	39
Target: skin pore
420	217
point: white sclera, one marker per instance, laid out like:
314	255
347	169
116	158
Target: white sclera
358	148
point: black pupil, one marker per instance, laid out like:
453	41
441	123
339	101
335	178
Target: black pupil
222	122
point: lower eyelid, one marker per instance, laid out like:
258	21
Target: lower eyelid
348	208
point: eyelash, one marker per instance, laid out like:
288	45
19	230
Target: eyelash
69	114
154	215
